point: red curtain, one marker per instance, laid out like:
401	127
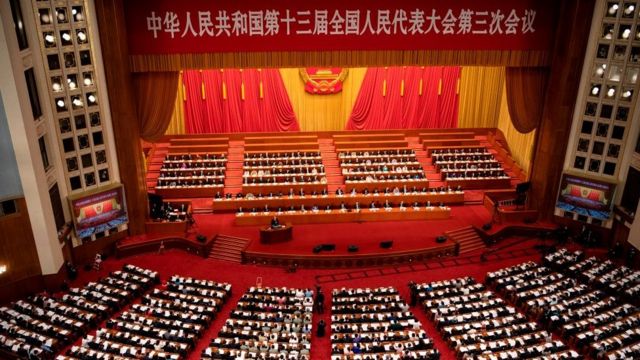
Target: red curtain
408	97
218	101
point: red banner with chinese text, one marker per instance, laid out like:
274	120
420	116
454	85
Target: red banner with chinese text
204	26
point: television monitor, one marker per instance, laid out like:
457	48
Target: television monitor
97	211
586	197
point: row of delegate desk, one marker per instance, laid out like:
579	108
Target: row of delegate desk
255	162
446	197
463	151
37	327
599	325
192	180
445	143
334	215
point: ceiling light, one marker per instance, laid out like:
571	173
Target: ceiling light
61	16
626	94
74	11
66	36
611	92
626	33
77	102
60	103
91	98
629	9
45	18
600	71
82	36
56	87
49	38
3	269
87	81
595	90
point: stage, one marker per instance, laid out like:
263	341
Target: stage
407	236
354	239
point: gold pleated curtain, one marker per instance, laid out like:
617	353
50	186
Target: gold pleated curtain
480	91
322	112
176	125
521	145
483	104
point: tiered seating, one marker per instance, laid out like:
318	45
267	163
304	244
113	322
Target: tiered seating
470	167
366	137
600	325
369	141
273	172
428	142
281	139
166	325
205	143
380	168
376	324
619	281
191	174
451	134
41	325
199	140
268	323
479	325
300	195
288	142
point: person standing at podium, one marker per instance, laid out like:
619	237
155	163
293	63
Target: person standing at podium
275	223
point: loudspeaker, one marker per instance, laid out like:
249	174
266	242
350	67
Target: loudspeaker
352	248
440	239
386	244
317	249
487	226
328	247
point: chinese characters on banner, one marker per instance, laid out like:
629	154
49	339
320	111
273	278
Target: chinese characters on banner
196	26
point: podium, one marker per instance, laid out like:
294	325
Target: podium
269	235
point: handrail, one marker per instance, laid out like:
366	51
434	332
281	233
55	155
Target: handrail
173	242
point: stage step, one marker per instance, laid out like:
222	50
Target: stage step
154	163
235	163
430	171
228	248
331	164
467	238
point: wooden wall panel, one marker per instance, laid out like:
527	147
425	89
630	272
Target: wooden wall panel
572	36
18	252
111	23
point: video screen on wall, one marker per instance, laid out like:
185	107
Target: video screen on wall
99	211
586	197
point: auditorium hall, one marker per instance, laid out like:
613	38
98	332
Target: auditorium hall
319	180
